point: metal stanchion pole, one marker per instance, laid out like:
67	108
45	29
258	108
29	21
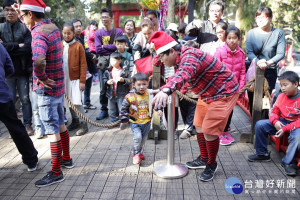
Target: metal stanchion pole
170	170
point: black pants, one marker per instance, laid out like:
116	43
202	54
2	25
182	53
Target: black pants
187	110
18	133
87	91
228	122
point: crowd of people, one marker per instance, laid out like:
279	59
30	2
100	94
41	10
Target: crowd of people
202	60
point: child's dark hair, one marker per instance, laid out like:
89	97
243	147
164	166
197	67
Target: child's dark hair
223	25
93	22
69	25
290	75
121	38
235	30
116	55
140	77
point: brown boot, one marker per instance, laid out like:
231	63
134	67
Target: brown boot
83	129
29	130
74	125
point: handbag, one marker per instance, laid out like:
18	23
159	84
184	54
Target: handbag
251	73
144	65
103	61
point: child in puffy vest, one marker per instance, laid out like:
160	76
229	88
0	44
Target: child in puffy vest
137	109
233	57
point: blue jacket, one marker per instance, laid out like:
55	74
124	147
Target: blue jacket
122	87
6	69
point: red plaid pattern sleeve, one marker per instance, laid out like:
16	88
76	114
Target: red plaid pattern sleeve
46	43
203	74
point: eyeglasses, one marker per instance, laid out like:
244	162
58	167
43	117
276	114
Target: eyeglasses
161	56
216	11
105	17
22	16
9	10
220	32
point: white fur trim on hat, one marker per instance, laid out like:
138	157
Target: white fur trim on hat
32	8
166	47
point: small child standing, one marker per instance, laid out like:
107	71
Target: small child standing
233	57
284	119
127	58
117	80
74	64
137	109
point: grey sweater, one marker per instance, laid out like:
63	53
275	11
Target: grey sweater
274	50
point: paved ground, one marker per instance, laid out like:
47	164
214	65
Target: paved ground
104	169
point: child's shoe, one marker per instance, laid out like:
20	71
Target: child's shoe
136	159
224	141
228	137
142	156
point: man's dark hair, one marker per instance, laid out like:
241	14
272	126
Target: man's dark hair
217	2
69	25
116	55
76	20
8	3
140	77
154	12
121	38
291	76
265	10
233	29
176	48
38	15
107	10
181	28
93	22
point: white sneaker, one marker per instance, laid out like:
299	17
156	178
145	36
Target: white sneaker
38	133
185	134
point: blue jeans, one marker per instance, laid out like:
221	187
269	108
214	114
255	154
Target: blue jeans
140	134
103	99
263	128
36	116
114	108
87	91
22	84
51	111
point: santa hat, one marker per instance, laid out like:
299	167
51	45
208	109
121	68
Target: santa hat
35	5
162	41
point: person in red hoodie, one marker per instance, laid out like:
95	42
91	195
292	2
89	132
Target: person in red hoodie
284	118
233	57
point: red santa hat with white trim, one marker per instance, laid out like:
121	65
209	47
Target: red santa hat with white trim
162	41
35	5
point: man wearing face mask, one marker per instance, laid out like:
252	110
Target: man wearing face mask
274	43
206	31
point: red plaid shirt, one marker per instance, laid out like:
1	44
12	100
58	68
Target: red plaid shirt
204	75
46	41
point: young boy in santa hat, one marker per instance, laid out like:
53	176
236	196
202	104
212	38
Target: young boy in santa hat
48	82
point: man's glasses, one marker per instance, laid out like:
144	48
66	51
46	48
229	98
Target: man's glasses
220	32
105	17
215	11
22	16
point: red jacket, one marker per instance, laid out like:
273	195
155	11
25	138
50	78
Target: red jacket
288	109
235	61
91	40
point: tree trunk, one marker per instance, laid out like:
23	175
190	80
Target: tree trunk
109	4
191	7
238	13
171	12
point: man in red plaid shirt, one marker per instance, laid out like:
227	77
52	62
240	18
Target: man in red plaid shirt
216	85
48	83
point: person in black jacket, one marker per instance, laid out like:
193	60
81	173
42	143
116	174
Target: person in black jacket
16	39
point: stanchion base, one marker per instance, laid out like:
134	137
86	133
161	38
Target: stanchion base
166	171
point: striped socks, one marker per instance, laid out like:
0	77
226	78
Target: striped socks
212	148
56	151
65	141
202	145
